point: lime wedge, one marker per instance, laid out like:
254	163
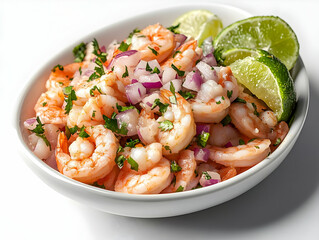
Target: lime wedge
229	56
269	79
262	32
199	24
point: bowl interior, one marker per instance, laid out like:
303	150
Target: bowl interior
119	31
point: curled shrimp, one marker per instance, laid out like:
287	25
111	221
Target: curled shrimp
151	181
183	125
211	104
93	110
186	178
109	180
87	159
241	155
62	78
154	42
49	107
221	135
186	56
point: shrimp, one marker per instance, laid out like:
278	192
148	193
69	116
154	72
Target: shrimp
49	107
93	110
242	155
221	135
229	83
62	78
211	104
151	181
186	56
108	84
182	122
87	159
186	176
109	180
154	42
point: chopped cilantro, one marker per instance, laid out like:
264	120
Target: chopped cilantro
133	163
153	51
175	53
39	131
70	131
172	99
223	98
186	95
120	161
241	142
70	96
97	51
131	143
111	124
83	133
196	173
257	147
44	104
129	39
162	106
278	141
179	72
80	70
202	139
240	100
120	149
229	93
173	28
180	189
60	67
93	113
167	148
79	52
148	68
95	88
255	109
166	125
125	74
219	102
123	46
100	59
175	167
250	140
226	120
206	175
156	70
124	108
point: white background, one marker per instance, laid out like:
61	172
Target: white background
284	206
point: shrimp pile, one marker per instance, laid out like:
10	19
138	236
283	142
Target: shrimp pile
151	114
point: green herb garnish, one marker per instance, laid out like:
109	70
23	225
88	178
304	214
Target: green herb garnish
124	108
202	139
125	74
206	175
69	97
95	88
39	131
278	141
175	167
148	68
123	46
186	95
173	28
153	51
83	133
79	52
156	70
111	123
70	131
166	125
131	143
60	67
229	93
162	106
241	142
179	72
180	189
240	100
226	120
172	99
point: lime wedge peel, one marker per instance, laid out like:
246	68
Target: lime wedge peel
269	80
269	33
199	24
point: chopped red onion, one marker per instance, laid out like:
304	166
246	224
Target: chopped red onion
168	75
151	81
149	85
149	100
127	54
30	123
140	136
193	81
210	60
177	83
201	127
213	178
88	72
207	71
201	154
130	117
229	144
134	81
135	92
179	39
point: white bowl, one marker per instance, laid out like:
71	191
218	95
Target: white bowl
163	205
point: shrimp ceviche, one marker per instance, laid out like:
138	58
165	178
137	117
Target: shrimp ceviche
151	114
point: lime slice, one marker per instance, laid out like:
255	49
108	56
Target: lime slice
269	79
199	24
263	32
